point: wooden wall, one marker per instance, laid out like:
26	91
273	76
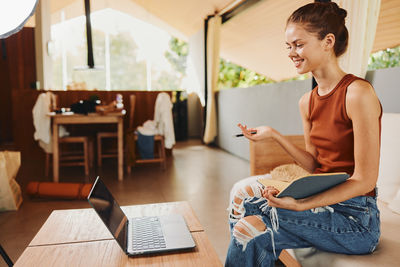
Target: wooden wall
17	72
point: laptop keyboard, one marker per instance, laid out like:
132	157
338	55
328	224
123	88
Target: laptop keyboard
147	233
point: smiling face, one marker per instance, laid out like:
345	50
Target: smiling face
307	52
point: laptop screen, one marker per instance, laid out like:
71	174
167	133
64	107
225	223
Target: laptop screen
109	211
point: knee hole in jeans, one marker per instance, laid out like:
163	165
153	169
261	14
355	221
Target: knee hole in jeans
248	191
248	228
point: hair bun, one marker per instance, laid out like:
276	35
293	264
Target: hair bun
338	10
343	13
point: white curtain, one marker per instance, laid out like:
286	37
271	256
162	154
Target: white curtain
361	22
194	80
213	47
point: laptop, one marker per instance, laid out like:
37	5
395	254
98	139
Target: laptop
139	235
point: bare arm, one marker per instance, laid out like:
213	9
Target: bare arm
364	110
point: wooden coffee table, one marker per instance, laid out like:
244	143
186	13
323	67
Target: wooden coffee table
79	238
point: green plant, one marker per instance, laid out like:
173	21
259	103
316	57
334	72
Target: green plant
232	75
387	58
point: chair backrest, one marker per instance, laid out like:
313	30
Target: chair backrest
132	99
267	154
55	101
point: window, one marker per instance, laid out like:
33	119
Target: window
129	54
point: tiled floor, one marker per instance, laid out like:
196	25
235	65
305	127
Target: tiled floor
199	174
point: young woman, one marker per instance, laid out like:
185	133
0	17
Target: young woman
341	122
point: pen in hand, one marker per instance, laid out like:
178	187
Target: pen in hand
240	135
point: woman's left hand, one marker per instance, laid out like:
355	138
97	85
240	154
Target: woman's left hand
288	203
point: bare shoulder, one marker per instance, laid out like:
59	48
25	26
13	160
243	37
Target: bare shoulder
305	99
360	88
304	103
361	96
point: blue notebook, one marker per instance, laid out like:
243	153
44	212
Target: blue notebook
306	186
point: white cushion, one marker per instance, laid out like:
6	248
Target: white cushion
394	204
386	253
389	169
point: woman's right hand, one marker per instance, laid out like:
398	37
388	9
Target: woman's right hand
258	133
269	191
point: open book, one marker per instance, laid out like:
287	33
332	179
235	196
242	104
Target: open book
306	186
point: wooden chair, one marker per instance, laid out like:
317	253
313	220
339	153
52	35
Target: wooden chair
83	157
162	159
158	143
105	154
74	158
265	156
102	135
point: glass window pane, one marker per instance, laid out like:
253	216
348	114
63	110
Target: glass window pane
129	54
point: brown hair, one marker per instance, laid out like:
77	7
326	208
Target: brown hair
324	18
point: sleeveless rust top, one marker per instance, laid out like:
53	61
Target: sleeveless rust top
331	129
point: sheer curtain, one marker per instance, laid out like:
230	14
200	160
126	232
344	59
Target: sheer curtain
361	22
213	47
194	80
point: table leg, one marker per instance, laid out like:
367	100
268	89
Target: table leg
120	149
55	152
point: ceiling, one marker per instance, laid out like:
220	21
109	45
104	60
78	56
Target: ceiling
253	38
388	29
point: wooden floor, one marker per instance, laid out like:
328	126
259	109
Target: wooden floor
199	174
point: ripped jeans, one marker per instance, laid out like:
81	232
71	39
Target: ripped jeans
349	227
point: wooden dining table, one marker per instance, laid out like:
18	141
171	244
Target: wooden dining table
90	118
